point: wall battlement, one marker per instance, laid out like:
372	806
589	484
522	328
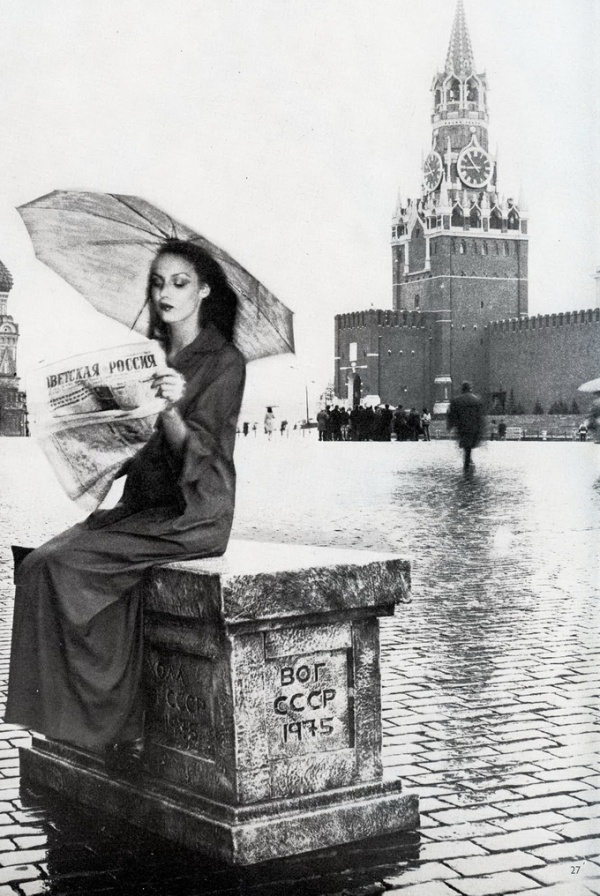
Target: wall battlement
383	317
544	321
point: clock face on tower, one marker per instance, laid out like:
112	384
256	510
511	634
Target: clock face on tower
432	171
474	166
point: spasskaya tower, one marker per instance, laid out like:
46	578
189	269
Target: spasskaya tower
460	248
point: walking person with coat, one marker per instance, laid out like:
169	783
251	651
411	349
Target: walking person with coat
322	424
400	424
466	416
414	424
387	416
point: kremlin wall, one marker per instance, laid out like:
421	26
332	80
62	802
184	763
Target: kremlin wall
541	359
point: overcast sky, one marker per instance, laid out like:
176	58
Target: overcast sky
282	129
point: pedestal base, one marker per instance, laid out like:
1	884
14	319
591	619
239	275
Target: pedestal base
240	835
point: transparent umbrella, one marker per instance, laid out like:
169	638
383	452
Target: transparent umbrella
102	244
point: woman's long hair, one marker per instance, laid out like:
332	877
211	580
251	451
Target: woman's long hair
219	307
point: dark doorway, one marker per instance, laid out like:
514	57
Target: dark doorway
497	402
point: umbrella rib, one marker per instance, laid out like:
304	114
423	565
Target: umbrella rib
118	221
139	314
123	242
120	199
272	325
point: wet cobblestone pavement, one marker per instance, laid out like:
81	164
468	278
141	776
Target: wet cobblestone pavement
490	676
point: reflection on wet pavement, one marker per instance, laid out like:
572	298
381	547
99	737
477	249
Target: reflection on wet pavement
489	675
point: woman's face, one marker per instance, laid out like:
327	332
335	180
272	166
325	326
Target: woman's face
175	289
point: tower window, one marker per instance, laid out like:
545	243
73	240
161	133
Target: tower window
484	248
453	92
475	217
472	91
462	247
457	217
417	301
513	221
505	248
495	220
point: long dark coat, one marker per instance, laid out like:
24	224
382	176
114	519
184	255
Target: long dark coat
76	652
466	415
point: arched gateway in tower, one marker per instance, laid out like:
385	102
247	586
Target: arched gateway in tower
459	257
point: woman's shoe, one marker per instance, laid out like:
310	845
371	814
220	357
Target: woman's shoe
125	759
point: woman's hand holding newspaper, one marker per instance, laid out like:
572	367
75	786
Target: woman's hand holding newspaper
169	384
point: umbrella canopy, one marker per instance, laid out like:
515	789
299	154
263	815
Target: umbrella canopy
102	245
590	386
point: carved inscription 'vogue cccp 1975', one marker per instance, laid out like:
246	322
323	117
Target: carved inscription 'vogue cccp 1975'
307	703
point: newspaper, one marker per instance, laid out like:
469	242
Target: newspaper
94	411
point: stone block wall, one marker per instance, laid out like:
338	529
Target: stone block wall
472	266
545	358
395	355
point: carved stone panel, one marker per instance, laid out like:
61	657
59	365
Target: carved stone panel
180	711
308	703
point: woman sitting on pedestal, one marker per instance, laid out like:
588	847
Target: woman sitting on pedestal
76	660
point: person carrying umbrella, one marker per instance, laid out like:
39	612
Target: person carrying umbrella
76	657
593	421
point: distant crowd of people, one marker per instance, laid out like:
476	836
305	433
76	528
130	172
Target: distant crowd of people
364	424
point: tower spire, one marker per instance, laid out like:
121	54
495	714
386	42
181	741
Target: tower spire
459	60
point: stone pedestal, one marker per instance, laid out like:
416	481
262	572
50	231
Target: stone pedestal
263	728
